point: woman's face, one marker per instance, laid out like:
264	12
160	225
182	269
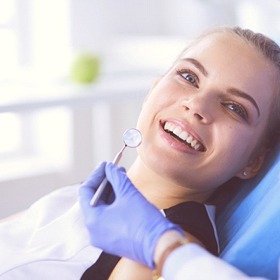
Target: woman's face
217	97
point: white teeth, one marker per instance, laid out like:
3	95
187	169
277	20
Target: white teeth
177	131
193	143
197	146
166	126
182	135
189	139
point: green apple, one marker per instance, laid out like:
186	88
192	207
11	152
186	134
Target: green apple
85	68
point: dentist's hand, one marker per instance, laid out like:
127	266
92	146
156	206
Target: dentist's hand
130	226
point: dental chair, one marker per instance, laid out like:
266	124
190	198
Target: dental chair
248	221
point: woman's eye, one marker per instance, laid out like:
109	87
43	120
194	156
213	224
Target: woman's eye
237	109
189	77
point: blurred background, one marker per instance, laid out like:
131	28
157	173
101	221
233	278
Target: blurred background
73	76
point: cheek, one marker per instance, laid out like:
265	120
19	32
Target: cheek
155	104
237	146
144	117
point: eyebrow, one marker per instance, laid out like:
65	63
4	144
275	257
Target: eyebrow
242	94
233	91
197	64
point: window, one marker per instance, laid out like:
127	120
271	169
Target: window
34	47
8	38
35	142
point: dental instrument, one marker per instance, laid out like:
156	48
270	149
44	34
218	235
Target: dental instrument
132	138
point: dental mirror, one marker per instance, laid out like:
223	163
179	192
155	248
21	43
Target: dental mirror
132	138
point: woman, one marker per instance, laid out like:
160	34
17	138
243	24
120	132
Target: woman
208	119
204	122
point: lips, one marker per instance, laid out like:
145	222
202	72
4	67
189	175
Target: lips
184	136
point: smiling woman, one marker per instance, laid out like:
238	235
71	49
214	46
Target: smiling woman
209	101
203	123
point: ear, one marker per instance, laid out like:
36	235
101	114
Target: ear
254	166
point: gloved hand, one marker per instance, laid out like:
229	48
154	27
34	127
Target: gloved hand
130	226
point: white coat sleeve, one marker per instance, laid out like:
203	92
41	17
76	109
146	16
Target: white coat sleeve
191	261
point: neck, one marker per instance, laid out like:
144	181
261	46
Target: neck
159	189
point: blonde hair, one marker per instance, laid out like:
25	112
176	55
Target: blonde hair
271	51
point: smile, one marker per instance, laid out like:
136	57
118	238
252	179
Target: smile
183	136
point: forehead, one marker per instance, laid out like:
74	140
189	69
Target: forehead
226	48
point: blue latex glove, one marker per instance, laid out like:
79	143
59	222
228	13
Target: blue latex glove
130	226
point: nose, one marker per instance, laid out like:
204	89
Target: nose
199	108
